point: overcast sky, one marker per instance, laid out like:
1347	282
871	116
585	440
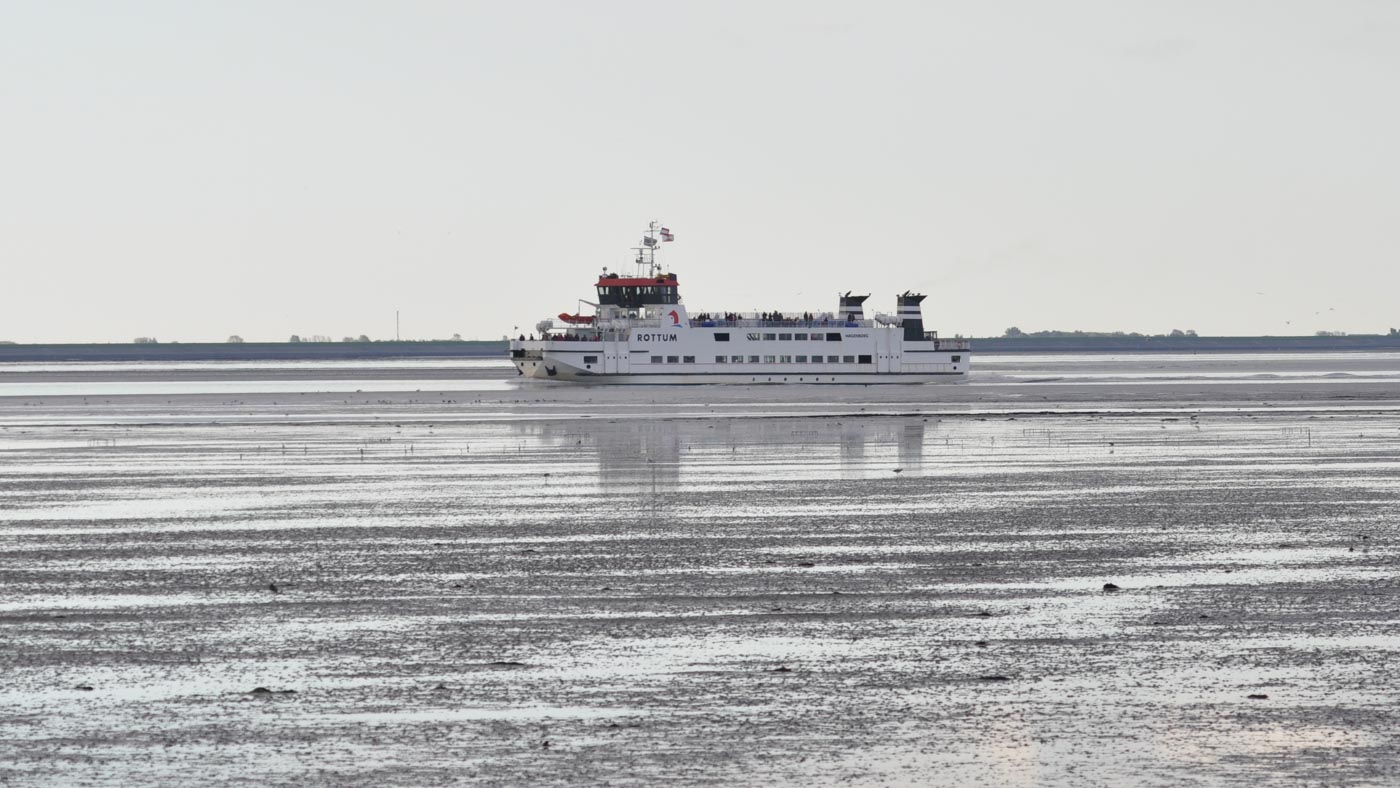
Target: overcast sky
191	170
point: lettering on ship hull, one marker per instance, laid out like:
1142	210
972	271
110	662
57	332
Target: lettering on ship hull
656	337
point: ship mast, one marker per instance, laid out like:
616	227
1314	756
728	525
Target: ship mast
647	267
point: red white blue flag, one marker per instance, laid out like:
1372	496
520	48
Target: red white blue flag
666	235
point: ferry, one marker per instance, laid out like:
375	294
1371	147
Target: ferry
641	333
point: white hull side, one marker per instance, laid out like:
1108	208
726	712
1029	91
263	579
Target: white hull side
539	370
686	354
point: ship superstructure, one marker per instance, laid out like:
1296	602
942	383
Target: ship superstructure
640	332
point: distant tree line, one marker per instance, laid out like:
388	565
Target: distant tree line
364	338
1016	333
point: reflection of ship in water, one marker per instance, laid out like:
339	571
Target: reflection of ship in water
660	457
911	443
627	453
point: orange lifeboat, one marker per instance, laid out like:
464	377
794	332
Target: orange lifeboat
576	320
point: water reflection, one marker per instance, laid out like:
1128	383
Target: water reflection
643	455
911	443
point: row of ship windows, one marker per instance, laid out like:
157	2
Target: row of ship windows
834	336
767	359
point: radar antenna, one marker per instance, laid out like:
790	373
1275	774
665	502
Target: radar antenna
647	266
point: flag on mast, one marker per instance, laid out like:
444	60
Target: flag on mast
666	234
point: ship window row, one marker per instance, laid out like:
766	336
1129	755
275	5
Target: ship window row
631	291
781	359
776	359
756	336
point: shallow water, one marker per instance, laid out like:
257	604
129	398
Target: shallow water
728	585
99	379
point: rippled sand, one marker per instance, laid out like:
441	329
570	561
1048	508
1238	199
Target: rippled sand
484	582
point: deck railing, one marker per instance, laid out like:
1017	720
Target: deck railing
610	333
696	322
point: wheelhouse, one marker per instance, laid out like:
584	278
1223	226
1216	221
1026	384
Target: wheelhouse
634	293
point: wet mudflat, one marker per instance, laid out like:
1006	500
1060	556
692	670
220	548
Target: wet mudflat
486	583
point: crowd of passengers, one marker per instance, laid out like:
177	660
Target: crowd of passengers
767	317
779	318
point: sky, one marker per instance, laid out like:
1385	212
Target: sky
194	170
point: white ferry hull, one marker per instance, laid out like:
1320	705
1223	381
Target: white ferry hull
748	379
621	363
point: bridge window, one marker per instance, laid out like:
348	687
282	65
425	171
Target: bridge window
722	336
865	360
656	359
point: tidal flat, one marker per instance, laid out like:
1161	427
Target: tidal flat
1073	570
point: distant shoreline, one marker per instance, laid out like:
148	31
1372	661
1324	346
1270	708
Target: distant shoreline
1169	344
311	351
250	351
